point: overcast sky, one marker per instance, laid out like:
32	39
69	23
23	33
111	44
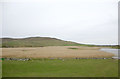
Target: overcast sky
82	21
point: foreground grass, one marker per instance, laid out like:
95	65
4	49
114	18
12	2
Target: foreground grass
0	69
60	68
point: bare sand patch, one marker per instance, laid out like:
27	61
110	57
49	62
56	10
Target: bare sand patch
55	52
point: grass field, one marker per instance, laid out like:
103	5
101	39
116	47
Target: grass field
60	68
42	50
0	69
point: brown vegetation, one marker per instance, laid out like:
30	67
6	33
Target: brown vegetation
55	52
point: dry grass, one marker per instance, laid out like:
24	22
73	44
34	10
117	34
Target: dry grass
55	52
0	52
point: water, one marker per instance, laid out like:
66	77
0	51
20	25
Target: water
113	51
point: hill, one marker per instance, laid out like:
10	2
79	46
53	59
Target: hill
36	42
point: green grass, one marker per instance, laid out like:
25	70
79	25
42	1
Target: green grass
0	69
116	47
41	42
59	68
36	42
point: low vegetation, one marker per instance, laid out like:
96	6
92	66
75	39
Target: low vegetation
35	42
53	57
55	52
42	42
72	48
60	68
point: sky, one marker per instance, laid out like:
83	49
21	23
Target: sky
82	21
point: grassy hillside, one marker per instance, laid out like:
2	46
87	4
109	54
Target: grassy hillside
36	42
43	41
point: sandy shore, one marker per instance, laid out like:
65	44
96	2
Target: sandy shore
55	52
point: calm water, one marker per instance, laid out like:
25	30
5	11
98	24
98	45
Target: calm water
114	51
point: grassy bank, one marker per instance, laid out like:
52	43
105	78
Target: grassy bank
61	68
